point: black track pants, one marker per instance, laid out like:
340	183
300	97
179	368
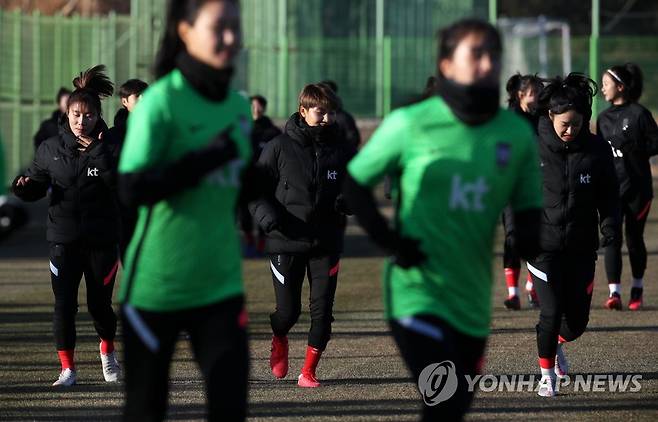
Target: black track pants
219	343
424	340
564	284
288	273
68	263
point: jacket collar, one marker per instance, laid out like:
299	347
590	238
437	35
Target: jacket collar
70	140
549	138
305	135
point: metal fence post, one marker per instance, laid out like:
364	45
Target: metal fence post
594	52
57	50
387	83
36	70
284	58
379	58
16	112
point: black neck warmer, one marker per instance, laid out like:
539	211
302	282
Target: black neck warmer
472	104
548	136
209	82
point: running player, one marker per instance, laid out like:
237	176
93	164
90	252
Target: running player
523	92
457	160
580	193
303	215
633	135
181	163
50	127
263	131
130	93
79	168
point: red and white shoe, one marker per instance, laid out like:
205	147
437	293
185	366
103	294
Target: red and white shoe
279	356
307	378
561	363
307	381
66	378
547	386
636	299
614	302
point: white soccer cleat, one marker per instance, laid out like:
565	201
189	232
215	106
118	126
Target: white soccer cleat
561	363
547	386
66	378
111	368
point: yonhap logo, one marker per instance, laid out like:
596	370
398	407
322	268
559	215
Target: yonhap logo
438	382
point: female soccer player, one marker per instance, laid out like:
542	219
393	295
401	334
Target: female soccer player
79	168
181	163
633	135
580	195
523	92
303	215
456	160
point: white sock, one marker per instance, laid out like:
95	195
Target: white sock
529	285
513	291
638	282
548	372
614	288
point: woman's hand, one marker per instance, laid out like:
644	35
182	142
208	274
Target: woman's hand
22	181
85	141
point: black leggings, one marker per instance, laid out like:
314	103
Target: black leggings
564	284
424	340
288	273
635	215
511	258
219	343
68	262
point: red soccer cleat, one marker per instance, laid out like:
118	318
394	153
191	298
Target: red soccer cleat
279	356
614	302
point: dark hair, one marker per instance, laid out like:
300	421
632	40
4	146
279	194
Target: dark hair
319	95
630	76
522	83
331	84
171	44
62	92
132	87
575	92
261	100
90	86
451	36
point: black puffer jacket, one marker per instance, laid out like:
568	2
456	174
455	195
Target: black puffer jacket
262	132
633	135
83	205
47	129
303	210
580	191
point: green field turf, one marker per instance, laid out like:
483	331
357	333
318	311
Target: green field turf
363	377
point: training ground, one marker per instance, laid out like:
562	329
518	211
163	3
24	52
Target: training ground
363	377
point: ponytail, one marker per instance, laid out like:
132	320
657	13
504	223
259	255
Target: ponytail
90	87
575	92
521	83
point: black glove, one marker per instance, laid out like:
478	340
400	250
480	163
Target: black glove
218	152
407	253
152	185
270	226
